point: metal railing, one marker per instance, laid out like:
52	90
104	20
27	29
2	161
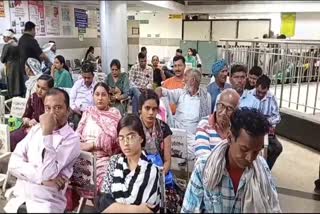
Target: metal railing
292	65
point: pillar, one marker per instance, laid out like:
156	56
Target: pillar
114	35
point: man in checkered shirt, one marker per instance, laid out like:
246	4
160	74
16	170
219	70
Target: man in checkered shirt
140	77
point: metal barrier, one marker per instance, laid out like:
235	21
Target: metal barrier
292	65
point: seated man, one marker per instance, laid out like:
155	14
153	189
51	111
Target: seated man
43	160
238	81
192	103
269	107
215	128
177	81
233	178
140	77
170	63
220	72
81	94
254	73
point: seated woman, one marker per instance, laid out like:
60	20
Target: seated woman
158	145
33	110
89	57
132	182
60	73
98	130
119	86
158	133
158	73
33	70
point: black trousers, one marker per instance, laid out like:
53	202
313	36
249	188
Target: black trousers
274	150
22	208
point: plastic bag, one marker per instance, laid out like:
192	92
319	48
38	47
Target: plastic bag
157	160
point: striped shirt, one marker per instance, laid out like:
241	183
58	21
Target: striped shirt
206	138
121	185
269	107
222	199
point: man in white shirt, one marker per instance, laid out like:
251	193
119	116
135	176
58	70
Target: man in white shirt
81	94
192	103
52	52
43	161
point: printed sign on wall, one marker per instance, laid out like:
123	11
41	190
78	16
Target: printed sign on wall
52	20
288	24
18	15
80	18
2	12
67	27
36	15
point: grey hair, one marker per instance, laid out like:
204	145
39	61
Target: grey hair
196	74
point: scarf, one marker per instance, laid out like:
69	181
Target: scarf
258	197
205	109
107	121
154	140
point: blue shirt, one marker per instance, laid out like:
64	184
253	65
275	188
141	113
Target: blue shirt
214	90
248	100
269	107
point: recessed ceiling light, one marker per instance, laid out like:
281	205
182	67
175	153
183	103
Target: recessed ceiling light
146	11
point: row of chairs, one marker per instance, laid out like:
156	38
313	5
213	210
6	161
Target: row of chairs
179	143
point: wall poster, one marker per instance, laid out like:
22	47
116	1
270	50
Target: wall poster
52	20
2	11
36	15
18	15
67	27
80	18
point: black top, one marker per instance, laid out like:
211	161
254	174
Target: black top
28	47
166	131
157	79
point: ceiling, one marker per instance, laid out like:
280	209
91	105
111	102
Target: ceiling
131	5
206	2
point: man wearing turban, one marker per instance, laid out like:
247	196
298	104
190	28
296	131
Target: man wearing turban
220	72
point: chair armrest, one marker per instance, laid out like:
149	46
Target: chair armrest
6	103
5	155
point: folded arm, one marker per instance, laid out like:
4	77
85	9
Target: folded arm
54	160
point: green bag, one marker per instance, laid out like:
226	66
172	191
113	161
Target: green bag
14	123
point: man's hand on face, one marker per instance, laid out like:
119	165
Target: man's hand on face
48	122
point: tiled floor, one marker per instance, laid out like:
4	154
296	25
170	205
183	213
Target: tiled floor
294	172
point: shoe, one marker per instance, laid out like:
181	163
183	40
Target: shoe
317	188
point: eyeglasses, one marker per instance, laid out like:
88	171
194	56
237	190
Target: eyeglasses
129	139
221	107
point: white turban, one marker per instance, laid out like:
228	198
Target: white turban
8	33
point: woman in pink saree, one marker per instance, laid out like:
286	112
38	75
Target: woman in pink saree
98	130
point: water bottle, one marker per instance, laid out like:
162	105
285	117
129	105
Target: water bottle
12	123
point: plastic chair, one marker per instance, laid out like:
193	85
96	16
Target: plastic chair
84	177
18	106
5	152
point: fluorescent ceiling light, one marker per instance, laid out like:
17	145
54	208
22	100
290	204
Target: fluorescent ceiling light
145	11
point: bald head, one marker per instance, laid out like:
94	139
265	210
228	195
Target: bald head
226	104
231	97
